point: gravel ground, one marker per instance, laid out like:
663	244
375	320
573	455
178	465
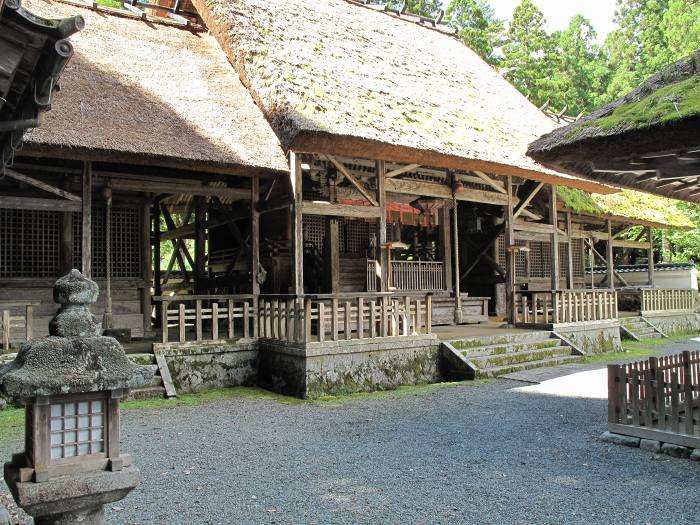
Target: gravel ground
465	454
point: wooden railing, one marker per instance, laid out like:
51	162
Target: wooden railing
667	299
570	306
657	399
10	322
319	318
409	275
207	317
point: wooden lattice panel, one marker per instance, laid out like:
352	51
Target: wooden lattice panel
314	227
355	236
29	243
521	258
578	257
126	231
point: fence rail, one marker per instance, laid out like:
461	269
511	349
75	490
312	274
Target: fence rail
10	322
667	299
658	398
571	306
333	318
409	275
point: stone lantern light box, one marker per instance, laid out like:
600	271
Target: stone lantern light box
71	384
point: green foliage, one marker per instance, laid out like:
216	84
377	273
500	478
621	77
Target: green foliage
578	200
681	25
477	26
685	245
111	3
429	8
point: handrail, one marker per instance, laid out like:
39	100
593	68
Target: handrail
565	306
667	299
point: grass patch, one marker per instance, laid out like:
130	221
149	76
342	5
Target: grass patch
11	426
111	3
637	350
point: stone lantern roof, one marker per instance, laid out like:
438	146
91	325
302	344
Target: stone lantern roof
75	358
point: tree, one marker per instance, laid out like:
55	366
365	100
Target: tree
428	8
528	53
477	26
681	25
580	70
685	245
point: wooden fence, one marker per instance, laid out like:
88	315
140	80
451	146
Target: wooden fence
9	322
198	318
571	306
409	275
655	300
334	317
657	399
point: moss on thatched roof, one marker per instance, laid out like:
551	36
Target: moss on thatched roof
644	208
338	77
664	99
151	93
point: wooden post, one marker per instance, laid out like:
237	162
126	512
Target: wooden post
555	235
86	261
609	257
200	238
650	257
510	253
333	240
255	234
66	263
380	169
107	321
297	224
458	318
569	253
445	244
146	268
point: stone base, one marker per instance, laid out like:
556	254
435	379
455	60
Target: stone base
343	367
594	337
674	323
71	499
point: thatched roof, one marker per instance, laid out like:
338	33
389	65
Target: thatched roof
341	78
637	134
636	207
150	93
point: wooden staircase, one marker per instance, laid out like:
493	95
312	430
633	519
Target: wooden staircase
637	329
495	356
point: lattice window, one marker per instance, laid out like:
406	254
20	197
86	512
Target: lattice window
126	234
521	258
578	257
29	243
563	259
77	428
540	259
355	236
314	227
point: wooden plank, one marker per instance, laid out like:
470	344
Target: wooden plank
339	210
171	186
358	185
86	258
431	189
165	373
42	185
500	188
402	169
621	243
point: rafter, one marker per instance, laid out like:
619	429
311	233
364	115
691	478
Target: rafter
360	187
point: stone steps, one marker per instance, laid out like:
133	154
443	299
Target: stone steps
639	327
509	369
492	362
155	388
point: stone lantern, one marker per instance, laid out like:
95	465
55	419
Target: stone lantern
70	384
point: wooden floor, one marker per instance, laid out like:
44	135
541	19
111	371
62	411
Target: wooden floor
492	328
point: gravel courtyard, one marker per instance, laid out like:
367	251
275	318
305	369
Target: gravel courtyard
470	453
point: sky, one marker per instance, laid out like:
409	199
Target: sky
559	12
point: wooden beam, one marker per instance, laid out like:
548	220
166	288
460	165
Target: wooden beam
333	240
402	169
86	260
569	252
382	181
609	256
431	189
526	201
295	177
650	257
553	217
490	182
27	203
484	251
360	187
255	234
445	241
510	254
41	185
200	239
173	187
621	243
458	294
536	227
339	210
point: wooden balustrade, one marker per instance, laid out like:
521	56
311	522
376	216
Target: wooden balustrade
319	318
658	398
656	300
571	306
408	275
207	317
10	322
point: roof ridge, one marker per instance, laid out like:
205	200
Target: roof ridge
132	15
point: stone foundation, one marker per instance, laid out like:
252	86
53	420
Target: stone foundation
674	323
342	367
593	337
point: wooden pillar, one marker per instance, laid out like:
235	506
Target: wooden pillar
66	262
510	253
445	244
255	234
650	256
146	257
609	257
380	169
200	238
569	252
107	321
155	220
553	214
333	241
86	260
458	318
297	225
